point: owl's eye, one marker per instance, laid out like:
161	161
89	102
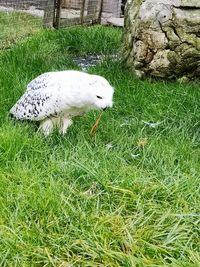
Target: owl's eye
99	97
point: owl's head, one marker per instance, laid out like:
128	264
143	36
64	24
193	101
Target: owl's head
101	93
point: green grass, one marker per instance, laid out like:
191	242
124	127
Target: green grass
15	26
73	201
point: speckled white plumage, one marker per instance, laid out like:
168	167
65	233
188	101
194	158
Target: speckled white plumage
54	98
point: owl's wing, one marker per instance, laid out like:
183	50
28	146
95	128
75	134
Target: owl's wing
38	102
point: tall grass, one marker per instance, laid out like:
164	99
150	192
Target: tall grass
15	26
129	196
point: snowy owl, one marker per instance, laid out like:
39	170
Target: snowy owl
54	98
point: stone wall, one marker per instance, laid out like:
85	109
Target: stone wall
23	4
162	38
73	4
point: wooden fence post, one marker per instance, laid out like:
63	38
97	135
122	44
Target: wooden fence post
58	6
100	11
82	12
49	14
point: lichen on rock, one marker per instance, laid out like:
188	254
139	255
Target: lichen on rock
162	38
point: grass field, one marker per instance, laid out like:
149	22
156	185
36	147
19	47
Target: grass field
15	26
128	197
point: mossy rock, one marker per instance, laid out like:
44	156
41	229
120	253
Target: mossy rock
168	30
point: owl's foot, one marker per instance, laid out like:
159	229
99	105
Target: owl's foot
66	123
46	127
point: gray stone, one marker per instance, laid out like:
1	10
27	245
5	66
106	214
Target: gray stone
118	22
162	38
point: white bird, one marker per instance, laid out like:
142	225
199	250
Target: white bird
54	98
